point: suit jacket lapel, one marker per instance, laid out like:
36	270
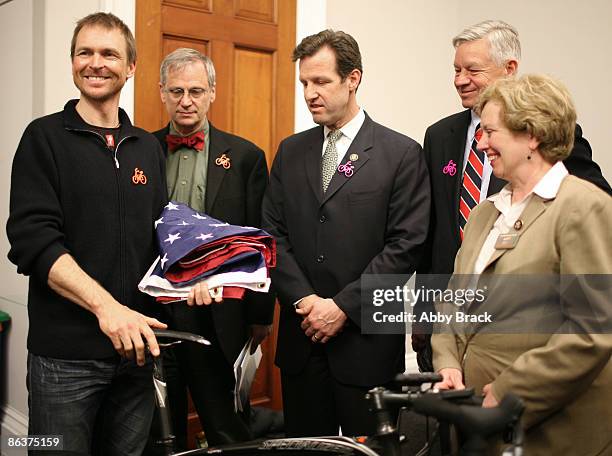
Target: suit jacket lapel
312	162
161	136
487	219
455	150
534	209
215	173
360	145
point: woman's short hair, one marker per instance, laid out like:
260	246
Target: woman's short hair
539	105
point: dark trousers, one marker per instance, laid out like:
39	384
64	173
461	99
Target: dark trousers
315	404
209	377
99	407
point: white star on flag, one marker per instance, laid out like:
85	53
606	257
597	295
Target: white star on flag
163	260
217	225
203	236
184	223
172	207
159	221
172	238
198	216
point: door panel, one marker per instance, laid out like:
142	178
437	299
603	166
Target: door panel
259	10
253	71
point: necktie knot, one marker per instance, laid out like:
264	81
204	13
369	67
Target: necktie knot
478	133
194	141
334	136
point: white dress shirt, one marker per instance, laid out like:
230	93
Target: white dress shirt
546	188
349	131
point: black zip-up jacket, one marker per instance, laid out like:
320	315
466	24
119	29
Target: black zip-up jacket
71	194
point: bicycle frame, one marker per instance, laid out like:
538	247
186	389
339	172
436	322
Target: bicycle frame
457	407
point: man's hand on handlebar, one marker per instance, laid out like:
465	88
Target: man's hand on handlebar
126	329
452	379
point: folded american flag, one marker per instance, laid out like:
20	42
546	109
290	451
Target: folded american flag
195	247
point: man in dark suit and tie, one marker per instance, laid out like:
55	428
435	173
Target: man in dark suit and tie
346	198
224	176
460	177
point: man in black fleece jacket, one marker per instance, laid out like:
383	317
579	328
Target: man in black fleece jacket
86	189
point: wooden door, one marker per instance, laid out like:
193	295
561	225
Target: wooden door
250	43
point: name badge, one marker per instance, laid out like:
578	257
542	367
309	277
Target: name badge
506	241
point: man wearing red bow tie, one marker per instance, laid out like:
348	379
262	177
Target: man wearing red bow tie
224	176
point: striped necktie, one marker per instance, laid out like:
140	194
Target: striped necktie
330	159
472	182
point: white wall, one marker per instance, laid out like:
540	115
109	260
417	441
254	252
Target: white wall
408	55
15	28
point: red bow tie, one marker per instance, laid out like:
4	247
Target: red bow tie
195	141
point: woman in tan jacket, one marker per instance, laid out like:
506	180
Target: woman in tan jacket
550	228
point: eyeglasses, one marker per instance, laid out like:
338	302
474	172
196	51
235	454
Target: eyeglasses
195	93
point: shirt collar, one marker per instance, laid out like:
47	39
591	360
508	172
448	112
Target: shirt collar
72	120
351	128
502	198
475	119
547	188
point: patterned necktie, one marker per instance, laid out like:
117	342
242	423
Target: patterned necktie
330	159
472	181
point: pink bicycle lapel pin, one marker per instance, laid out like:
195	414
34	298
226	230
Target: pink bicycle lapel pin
450	168
346	169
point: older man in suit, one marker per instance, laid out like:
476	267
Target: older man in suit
225	176
460	179
346	198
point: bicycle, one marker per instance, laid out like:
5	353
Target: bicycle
460	408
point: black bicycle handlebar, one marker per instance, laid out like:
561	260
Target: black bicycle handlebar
469	419
417	379
179	335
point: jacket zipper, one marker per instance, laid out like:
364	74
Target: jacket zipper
122	265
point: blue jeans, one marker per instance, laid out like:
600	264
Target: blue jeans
100	407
